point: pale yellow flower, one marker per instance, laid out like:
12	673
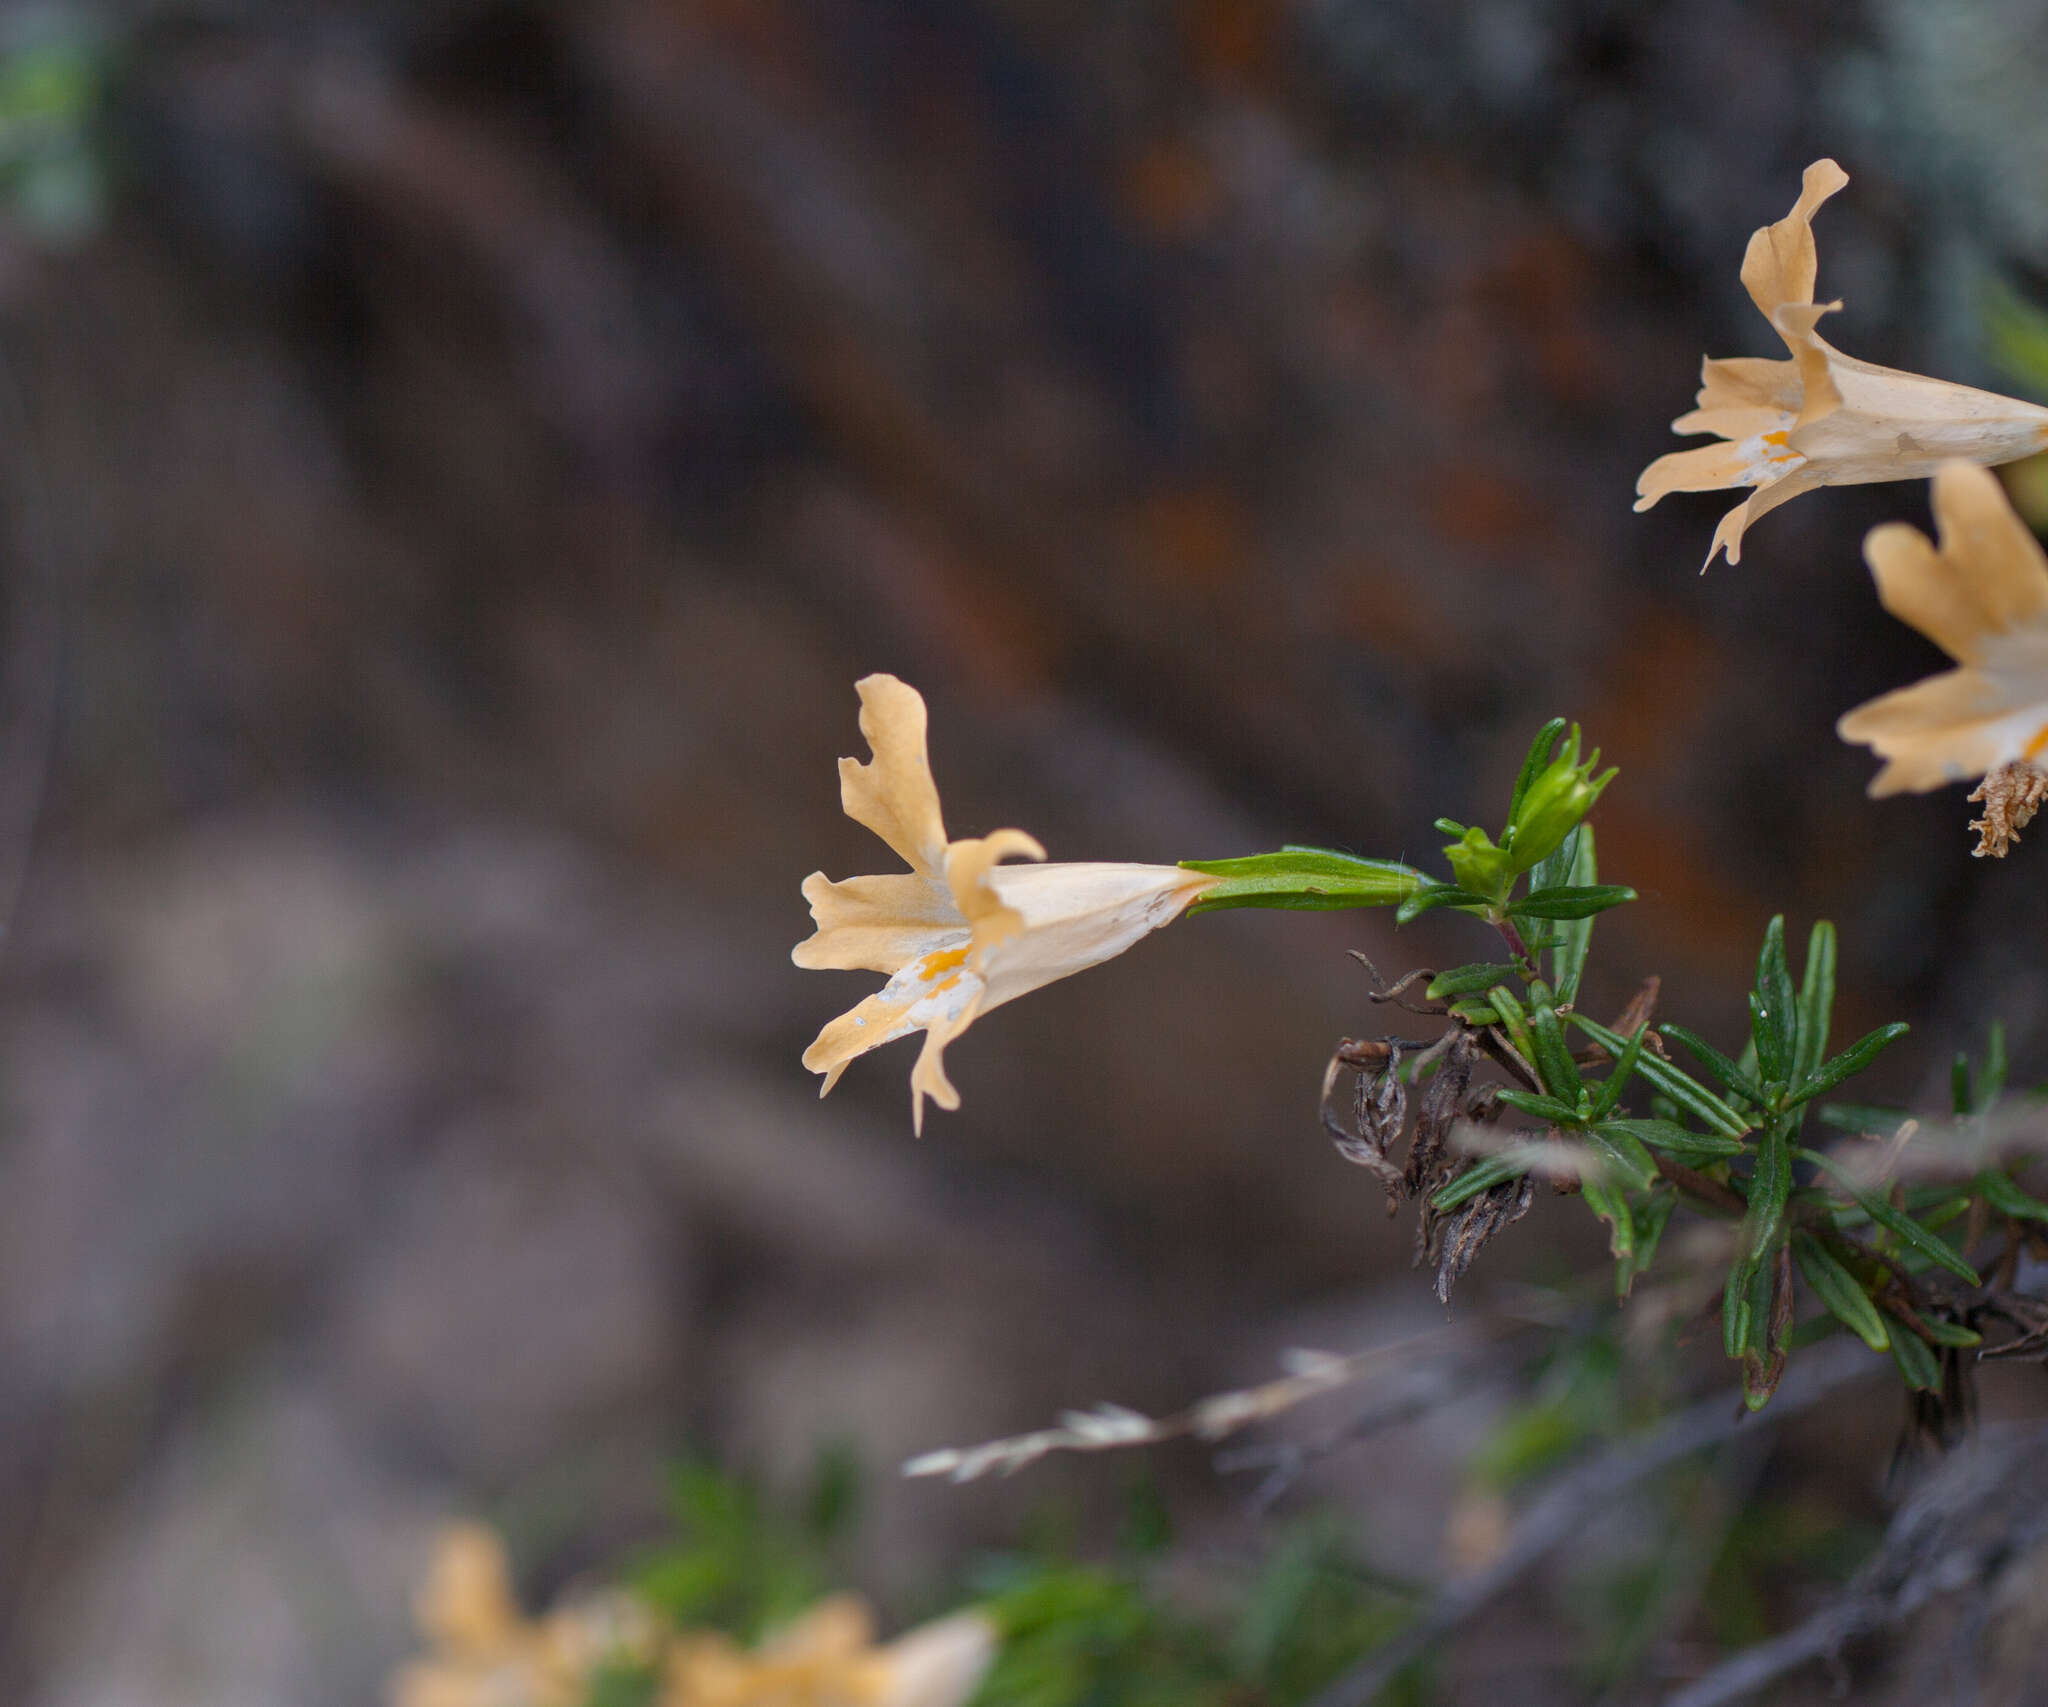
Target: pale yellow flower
959	933
1822	418
485	1654
827	1658
1982	597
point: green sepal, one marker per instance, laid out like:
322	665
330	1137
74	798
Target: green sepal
1571	901
1681	1087
1908	1231
1848	1064
1840	1292
1727	1071
1471	980
1553	804
1533	766
1476	864
1309	878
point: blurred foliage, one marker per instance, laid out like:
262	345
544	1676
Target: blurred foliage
53	67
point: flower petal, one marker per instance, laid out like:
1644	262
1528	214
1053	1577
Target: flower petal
1754	461
935	991
1988	577
1949	728
466	1604
877	924
1781	263
894	795
1728	535
1076	916
939	1664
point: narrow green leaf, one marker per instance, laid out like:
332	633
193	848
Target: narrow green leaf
1608	1201
1715	1062
1543	1108
1908	1231
1650	1216
1432	895
1920	1367
1510	1163
1554	1063
1863	1119
1579	869
2005	1197
1848	1064
1840	1291
1476	1014
1771	1006
1675	1140
1533	766
1994	1066
1959	1084
1681	1087
1611	1087
1571	901
1623	1155
1737	1324
1770	1189
1467	980
1816	1002
1951	1333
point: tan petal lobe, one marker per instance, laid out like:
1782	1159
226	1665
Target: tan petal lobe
838	1627
1706	468
1781	263
968	863
1988	546
1748	382
1818	395
466	1603
1945	729
928	1075
877	924
940	1664
893	794
1728	535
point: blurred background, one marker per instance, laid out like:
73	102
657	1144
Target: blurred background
457	458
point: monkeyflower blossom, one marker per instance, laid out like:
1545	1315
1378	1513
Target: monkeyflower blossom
1981	595
1822	418
958	933
486	1654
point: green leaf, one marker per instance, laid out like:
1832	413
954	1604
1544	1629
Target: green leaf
1608	1201
1675	1140
2005	1197
1571	901
1959	1084
1849	1063
1738	1326
1651	1216
1622	1153
1908	1231
1533	766
1715	1062
1467	980
1816	1002
1839	1291
1770	1189
1574	867
1611	1087
1431	894
1994	1065
1308	878
1544	1108
1681	1087
1951	1333
1771	1007
1919	1366
1554	1064
1863	1119
1511	1163
1476	1014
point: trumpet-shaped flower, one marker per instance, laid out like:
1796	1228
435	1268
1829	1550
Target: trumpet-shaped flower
1981	595
959	933
1822	418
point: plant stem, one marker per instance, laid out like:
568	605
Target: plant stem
1509	934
